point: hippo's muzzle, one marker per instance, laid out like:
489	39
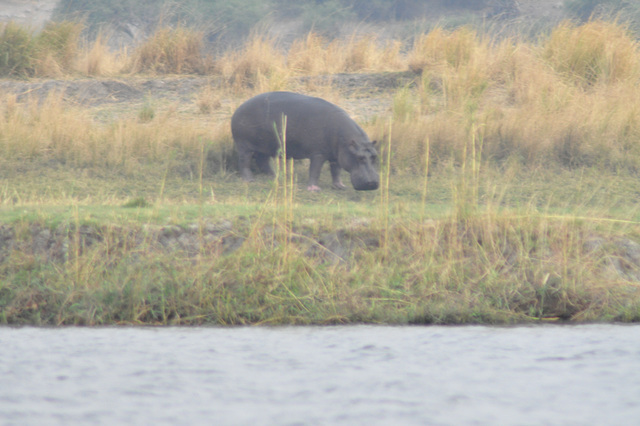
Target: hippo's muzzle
369	182
368	186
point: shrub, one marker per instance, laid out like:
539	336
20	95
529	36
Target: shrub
17	51
596	52
257	61
308	55
442	48
57	47
171	51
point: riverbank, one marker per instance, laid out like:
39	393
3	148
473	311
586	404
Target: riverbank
508	187
285	264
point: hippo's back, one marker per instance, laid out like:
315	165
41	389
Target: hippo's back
262	111
273	104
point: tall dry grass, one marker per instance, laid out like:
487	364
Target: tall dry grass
98	60
50	53
571	98
595	53
259	63
171	51
313	55
57	48
50	129
486	269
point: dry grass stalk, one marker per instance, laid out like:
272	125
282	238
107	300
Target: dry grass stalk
171	51
98	60
258	61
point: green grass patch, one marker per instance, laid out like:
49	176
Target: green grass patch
539	246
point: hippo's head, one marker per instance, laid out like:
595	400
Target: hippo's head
359	159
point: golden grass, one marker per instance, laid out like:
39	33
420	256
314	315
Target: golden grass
441	48
594	53
538	103
571	99
314	55
171	51
53	130
97	60
308	56
57	48
258	64
487	268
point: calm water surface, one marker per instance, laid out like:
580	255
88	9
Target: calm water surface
360	375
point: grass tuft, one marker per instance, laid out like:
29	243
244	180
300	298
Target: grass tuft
171	51
17	51
597	52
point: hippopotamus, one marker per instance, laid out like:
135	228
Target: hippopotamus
315	129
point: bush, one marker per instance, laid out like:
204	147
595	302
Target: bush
52	52
57	47
596	52
171	51
17	51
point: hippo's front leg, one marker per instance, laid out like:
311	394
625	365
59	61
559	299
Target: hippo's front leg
335	175
317	160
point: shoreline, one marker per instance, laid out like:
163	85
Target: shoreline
487	269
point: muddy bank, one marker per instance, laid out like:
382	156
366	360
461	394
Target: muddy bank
618	257
246	271
63	243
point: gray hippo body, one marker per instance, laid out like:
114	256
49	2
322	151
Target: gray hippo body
315	129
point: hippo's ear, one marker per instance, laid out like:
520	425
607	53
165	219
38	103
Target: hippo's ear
374	143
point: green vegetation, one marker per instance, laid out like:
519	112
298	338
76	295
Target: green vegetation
509	175
16	51
296	258
48	54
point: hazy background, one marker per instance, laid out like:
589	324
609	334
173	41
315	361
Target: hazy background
230	22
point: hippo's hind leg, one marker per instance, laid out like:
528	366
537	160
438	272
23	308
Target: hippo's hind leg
335	175
245	154
262	160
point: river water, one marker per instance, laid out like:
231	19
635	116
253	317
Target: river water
351	375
